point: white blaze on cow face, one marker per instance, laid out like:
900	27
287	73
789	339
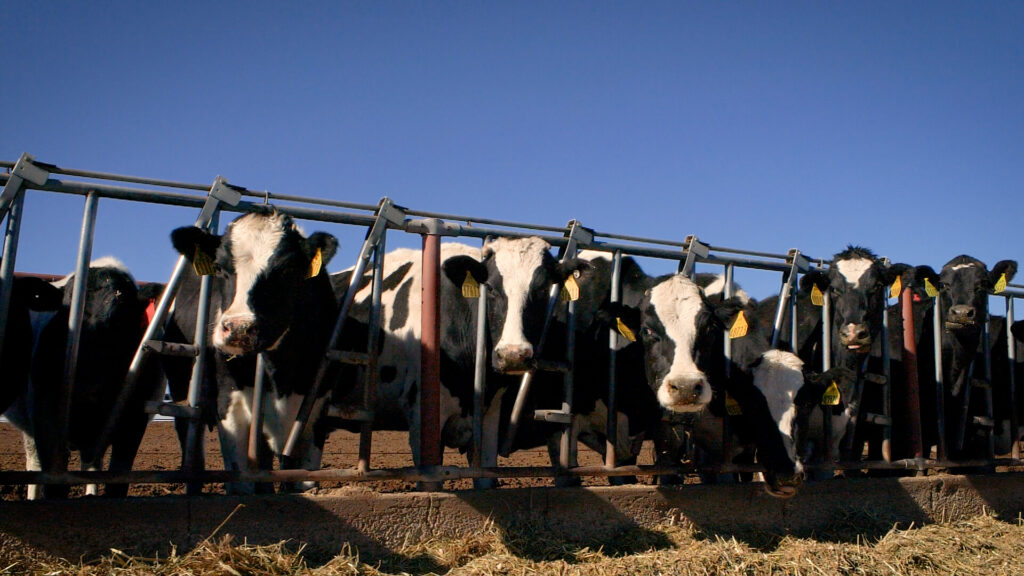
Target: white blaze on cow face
253	239
516	261
853	270
677	303
779	376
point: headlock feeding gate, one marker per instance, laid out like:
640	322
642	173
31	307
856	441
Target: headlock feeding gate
28	174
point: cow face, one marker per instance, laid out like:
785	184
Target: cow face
858	282
519	273
673	321
262	262
965	284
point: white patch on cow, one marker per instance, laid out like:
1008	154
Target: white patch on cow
91	489
717	286
677	302
254	239
104	262
967	265
516	260
780	377
234	430
853	269
32	464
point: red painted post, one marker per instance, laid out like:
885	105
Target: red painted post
430	354
913	394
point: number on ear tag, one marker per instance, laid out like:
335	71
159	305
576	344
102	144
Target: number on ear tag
831	396
739	326
624	330
316	264
732	407
817	298
470	287
1000	285
897	287
930	289
202	263
570	289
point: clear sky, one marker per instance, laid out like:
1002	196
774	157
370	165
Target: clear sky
760	125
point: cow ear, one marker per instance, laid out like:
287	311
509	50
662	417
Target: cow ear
1003	267
325	243
924	280
893	271
189	240
814	278
456	267
726	311
563	270
150	291
38	294
611	314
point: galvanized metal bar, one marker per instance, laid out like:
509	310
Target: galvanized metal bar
986	350
940	387
612	422
479	379
7	261
24	172
385	213
788	285
826	365
567	451
74	341
1011	357
728	292
430	359
373	351
259	388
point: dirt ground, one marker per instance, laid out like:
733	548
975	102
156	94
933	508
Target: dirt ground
159	451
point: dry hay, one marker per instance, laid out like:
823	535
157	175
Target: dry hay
983	545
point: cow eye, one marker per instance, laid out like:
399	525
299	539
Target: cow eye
649	334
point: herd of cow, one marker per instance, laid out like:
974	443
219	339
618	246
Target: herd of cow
273	296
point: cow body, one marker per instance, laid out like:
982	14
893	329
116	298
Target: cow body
272	296
112	325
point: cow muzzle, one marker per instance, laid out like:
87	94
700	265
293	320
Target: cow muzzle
236	335
513	358
685	393
782	486
856	338
960	318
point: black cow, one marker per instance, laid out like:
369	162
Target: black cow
29	296
271	295
112	325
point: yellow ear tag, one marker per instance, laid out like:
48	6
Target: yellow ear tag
316	264
624	330
831	396
470	287
930	289
202	263
817	298
570	289
739	327
1000	285
732	407
897	287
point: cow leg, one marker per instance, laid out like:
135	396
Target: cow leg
489	448
32	464
233	431
93	466
278	422
124	449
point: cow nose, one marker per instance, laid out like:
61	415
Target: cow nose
687	389
962	312
861	333
513	357
238	328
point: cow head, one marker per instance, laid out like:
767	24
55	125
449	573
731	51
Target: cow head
964	285
112	297
858	282
262	262
519	273
673	322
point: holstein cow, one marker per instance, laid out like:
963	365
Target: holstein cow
271	295
681	333
112	325
964	285
29	296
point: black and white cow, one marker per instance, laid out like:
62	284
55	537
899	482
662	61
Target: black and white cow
112	325
29	296
271	295
964	285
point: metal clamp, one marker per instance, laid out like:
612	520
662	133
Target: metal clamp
26	170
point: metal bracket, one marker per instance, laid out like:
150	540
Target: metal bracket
582	236
394	214
694	249
25	170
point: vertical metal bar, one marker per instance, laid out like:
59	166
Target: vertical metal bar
256	421
567	453
194	457
728	292
1011	356
430	358
794	323
826	365
913	395
10	255
372	349
479	379
887	386
75	314
780	311
940	387
986	348
612	422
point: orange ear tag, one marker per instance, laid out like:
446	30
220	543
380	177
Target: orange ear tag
732	407
831	396
202	263
570	289
930	289
470	287
896	288
817	298
624	330
1000	285
739	327
316	264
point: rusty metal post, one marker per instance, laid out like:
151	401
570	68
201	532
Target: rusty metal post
913	395
430	353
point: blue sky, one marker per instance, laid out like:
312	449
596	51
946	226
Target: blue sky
757	125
